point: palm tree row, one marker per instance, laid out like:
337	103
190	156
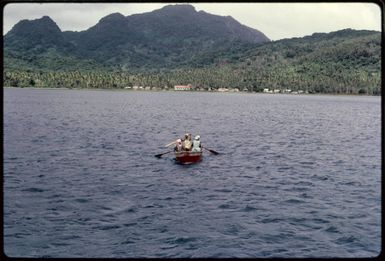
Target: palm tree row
308	76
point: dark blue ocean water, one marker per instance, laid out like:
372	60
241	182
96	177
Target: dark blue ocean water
298	176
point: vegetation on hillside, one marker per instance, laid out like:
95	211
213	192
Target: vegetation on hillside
347	61
164	38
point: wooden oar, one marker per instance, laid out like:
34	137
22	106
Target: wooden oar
212	151
161	154
168	145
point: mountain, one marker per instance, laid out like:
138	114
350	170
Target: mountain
168	37
36	35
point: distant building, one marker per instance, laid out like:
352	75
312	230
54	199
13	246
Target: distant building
183	87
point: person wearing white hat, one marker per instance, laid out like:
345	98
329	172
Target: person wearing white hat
196	144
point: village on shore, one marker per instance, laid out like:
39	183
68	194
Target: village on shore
189	87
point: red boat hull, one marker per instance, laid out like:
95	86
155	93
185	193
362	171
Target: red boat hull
188	157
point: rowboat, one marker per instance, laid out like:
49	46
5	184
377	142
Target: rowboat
188	157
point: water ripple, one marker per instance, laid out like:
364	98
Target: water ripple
297	177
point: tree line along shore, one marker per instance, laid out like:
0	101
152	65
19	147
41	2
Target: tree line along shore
204	79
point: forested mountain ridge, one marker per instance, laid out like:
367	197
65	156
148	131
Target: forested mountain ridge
37	35
345	61
162	38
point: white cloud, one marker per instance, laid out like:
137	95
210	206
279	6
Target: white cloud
286	20
275	20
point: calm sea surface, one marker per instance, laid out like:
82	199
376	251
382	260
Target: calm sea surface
298	176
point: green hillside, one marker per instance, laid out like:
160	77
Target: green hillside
341	62
164	38
345	61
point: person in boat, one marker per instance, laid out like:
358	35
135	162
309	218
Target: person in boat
178	145
187	144
196	144
182	139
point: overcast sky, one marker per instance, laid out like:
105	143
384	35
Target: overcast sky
275	20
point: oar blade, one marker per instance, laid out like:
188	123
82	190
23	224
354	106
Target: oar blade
212	151
161	154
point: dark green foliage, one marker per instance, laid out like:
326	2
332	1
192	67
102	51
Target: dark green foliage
36	36
339	62
164	38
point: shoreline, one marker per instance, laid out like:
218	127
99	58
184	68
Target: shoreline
194	91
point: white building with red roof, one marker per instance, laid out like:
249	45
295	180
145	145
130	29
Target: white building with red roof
183	87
